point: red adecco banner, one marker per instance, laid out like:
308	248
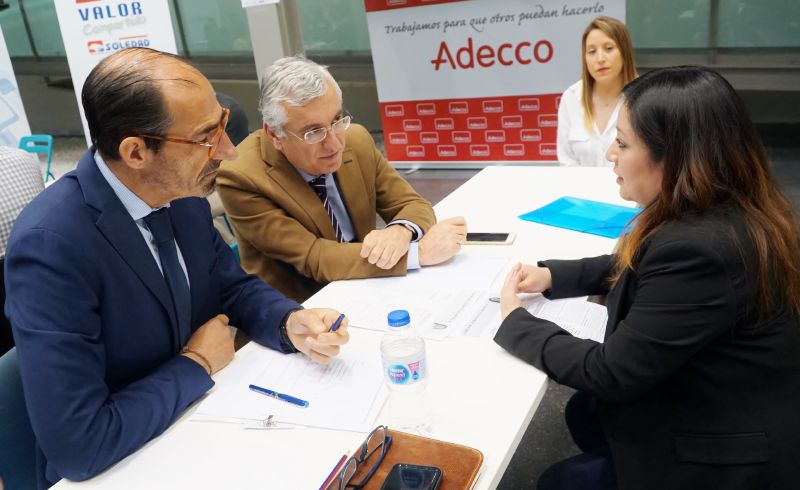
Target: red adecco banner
476	81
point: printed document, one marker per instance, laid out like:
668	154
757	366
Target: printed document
575	315
446	301
347	394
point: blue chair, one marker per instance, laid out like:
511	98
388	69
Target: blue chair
234	245
39	143
17	443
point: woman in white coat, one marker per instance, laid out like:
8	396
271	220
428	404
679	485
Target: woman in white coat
587	115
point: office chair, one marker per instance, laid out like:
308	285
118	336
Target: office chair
17	442
6	339
39	143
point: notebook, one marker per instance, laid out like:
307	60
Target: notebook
584	215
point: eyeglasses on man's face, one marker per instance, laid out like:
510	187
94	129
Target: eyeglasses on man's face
211	142
370	454
316	135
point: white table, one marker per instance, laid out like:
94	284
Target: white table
482	396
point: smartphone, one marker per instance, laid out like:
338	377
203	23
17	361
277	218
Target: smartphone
405	476
490	238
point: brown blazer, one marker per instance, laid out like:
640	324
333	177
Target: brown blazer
285	236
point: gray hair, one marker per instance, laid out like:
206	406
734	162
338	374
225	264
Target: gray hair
293	80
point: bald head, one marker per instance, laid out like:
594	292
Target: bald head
123	96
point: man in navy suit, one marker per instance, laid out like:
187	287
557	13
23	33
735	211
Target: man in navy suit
119	289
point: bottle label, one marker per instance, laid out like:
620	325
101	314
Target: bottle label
405	374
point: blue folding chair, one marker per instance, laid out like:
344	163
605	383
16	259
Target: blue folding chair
39	143
17	442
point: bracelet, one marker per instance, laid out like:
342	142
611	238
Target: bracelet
187	350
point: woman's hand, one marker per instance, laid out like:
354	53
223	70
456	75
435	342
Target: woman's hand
508	295
534	279
523	279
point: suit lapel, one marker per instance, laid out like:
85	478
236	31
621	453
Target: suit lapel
285	176
354	195
121	231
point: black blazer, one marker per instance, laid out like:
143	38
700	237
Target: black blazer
694	391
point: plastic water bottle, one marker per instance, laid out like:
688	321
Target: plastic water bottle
406	372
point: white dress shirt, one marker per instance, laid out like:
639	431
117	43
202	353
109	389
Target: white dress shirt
576	145
138	210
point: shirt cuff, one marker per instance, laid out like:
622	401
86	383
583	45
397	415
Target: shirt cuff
412	263
409	223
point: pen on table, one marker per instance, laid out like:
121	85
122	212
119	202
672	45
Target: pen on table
335	471
337	323
279	396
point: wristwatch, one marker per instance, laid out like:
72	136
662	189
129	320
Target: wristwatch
410	228
286	344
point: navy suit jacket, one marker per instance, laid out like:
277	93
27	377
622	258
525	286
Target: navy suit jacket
96	335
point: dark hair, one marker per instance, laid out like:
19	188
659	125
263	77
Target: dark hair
121	98
698	131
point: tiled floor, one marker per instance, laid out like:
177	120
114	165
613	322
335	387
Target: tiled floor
546	439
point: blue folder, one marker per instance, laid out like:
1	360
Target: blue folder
572	213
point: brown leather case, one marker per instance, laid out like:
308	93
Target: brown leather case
459	464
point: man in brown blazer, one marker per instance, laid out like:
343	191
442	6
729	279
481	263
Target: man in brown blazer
304	191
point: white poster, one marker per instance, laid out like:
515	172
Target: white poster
93	29
476	80
13	122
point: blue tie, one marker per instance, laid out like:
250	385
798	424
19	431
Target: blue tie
318	184
161	228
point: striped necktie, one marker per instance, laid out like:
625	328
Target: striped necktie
318	184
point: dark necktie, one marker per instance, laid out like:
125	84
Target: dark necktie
161	228
318	185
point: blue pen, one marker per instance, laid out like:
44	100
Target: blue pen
337	323
279	396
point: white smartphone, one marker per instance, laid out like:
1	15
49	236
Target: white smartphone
490	238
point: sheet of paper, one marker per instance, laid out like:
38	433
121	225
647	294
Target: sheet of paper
347	394
575	315
446	301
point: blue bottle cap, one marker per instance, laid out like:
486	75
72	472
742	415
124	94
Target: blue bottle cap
399	318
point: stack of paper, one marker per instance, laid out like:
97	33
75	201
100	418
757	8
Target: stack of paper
446	301
347	394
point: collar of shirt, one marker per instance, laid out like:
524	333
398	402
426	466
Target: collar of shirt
307	176
137	208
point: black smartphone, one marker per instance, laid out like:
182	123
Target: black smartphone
490	238
405	476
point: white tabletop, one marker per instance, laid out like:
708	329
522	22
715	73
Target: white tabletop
482	396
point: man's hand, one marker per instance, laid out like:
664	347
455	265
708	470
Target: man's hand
442	241
384	248
308	332
214	342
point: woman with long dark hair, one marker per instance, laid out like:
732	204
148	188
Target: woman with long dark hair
697	384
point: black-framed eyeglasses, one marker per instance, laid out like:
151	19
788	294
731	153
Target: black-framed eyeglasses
211	142
371	453
316	135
